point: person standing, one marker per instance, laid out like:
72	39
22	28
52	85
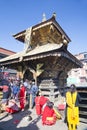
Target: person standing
22	96
34	90
15	91
26	83
72	110
28	91
6	91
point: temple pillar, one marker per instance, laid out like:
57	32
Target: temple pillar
19	72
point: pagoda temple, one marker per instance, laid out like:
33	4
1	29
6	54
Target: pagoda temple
45	57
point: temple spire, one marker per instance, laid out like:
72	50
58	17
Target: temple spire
54	15
44	17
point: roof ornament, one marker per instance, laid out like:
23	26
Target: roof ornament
44	17
28	39
64	40
54	15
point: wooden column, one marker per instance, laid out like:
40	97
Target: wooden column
19	72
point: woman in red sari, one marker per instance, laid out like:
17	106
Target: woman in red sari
49	116
22	96
40	101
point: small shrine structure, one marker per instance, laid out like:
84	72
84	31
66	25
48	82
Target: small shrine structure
45	57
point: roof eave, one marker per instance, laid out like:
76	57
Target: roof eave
42	24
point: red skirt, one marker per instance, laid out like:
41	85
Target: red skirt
37	106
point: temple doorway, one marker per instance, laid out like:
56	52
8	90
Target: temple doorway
28	75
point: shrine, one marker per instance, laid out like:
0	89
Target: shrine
45	57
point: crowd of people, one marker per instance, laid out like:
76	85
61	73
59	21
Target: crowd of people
19	91
15	90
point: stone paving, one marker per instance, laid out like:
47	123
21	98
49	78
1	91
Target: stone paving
19	121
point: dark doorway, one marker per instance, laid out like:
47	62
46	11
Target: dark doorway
28	75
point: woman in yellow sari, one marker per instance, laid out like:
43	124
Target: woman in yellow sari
72	108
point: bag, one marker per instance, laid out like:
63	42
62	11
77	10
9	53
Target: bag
61	107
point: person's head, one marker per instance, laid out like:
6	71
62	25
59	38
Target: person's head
26	80
30	82
50	104
33	82
21	84
73	88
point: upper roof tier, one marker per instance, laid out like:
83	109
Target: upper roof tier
48	31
